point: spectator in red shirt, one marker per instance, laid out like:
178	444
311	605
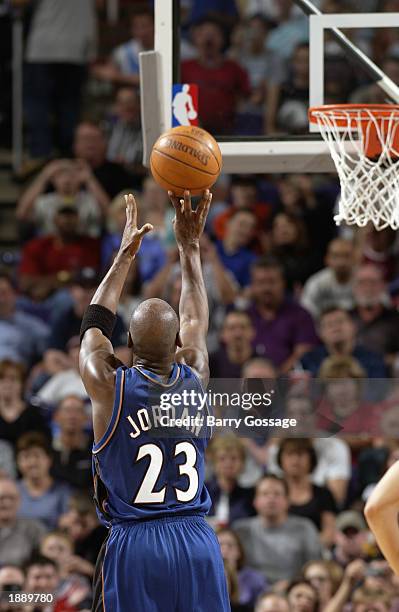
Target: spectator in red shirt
48	261
243	196
222	82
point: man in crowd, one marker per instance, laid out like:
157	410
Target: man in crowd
284	331
90	145
19	537
42	576
244	195
12	580
72	446
338	334
222	81
67	321
236	346
351	538
234	250
332	285
23	337
275	542
49	262
122	68
377	325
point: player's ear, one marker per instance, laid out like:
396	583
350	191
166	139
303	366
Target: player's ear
129	340
179	343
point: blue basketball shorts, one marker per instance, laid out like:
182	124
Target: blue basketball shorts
170	564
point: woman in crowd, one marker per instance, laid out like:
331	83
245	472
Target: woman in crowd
297	458
250	583
42	497
325	577
289	243
302	597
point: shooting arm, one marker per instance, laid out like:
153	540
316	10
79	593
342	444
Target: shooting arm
193	306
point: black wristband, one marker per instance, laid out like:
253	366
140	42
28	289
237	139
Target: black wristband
100	317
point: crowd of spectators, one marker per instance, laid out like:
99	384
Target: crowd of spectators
297	306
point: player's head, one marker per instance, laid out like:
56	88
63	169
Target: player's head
154	330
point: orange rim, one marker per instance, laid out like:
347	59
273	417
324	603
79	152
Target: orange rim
340	111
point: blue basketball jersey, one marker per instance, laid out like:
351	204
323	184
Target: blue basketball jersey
142	469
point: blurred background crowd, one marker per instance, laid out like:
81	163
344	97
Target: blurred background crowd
294	300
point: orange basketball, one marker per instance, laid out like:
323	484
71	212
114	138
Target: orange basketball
186	158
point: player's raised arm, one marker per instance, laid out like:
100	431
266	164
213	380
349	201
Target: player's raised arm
193	307
381	512
97	362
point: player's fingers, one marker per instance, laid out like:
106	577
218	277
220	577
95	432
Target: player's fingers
175	201
187	201
133	208
145	229
129	209
205	205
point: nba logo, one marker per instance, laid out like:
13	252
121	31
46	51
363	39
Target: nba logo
185	105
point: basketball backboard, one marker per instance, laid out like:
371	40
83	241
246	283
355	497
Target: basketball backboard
267	153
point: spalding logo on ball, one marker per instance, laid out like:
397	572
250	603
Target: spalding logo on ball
186	157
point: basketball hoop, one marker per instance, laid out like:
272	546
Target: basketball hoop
364	144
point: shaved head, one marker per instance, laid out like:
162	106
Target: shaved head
153	329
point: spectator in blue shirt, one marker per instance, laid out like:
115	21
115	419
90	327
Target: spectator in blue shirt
234	250
22	336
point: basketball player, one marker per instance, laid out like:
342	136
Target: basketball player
160	554
381	511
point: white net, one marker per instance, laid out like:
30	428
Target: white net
364	145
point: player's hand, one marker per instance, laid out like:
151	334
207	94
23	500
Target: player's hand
132	236
189	224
